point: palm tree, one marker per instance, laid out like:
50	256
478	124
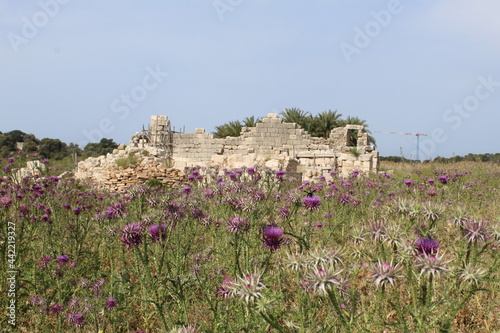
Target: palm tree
233	128
251	121
356	121
298	116
324	122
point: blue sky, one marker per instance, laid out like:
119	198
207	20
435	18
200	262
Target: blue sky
79	70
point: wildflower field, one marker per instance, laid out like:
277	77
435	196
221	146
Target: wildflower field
252	250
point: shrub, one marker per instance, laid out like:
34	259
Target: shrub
128	161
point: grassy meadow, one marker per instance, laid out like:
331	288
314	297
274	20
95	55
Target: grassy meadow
414	248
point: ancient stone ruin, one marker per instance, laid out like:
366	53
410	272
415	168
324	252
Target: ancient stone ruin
160	153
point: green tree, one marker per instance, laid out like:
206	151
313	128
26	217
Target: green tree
232	128
297	116
324	122
53	149
17	135
30	144
7	144
103	147
251	121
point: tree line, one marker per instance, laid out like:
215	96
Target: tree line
48	148
486	157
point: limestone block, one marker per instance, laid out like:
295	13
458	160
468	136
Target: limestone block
354	127
365	157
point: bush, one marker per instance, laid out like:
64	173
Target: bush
126	162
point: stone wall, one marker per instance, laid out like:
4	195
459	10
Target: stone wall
278	145
271	143
150	164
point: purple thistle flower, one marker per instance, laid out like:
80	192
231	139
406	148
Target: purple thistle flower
131	235
430	181
432	192
345	199
157	232
311	202
426	246
5	201
174	209
279	174
24	210
186	189
44	262
238	225
36	300
273	237
408	182
443	179
251	171
56	309
76	211
110	303
62	260
284	212
225	288
208	193
259	195
75	318
97	287
116	209
73	303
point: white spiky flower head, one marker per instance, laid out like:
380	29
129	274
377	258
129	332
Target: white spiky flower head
294	261
324	258
472	274
431	264
384	273
320	280
248	287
